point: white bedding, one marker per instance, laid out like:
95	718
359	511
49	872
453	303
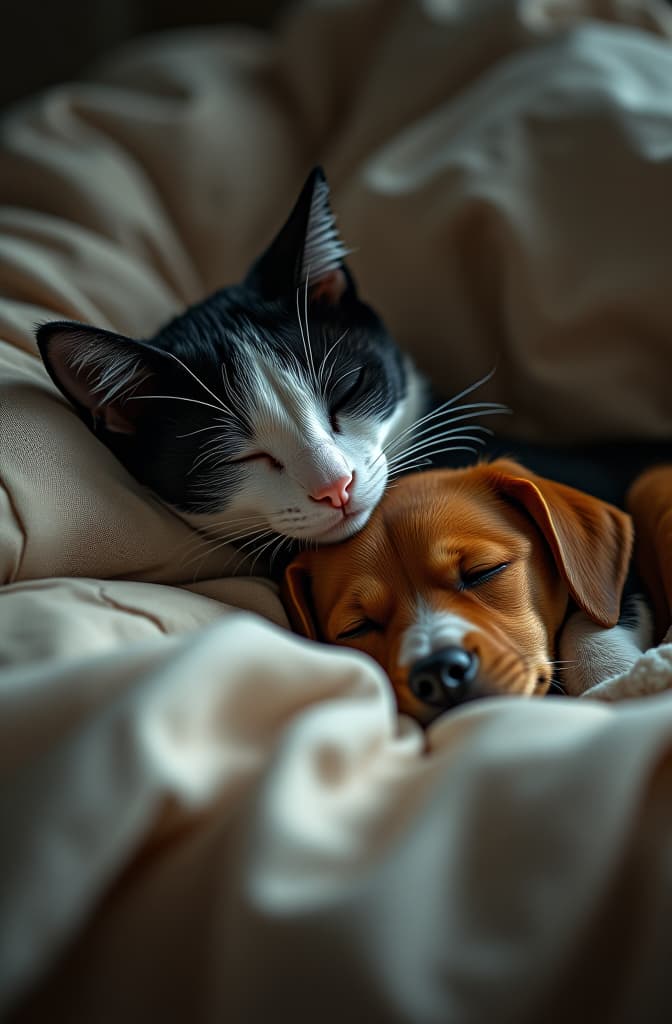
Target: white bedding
202	816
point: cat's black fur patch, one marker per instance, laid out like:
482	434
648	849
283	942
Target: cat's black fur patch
158	439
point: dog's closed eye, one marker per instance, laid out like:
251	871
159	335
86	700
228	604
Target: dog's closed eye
481	574
361	628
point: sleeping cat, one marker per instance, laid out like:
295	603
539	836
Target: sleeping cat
264	410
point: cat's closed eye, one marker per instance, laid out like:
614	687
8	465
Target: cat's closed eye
288	373
341	397
260	457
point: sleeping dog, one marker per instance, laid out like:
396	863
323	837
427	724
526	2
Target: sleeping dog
462	581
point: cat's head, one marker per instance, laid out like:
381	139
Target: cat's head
266	405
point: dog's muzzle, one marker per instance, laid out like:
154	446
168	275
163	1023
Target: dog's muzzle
445	678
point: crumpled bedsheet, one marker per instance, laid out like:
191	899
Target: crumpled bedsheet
202	816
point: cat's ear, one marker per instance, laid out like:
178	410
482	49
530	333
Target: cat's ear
306	252
100	372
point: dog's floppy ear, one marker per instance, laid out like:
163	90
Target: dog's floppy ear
297	596
591	541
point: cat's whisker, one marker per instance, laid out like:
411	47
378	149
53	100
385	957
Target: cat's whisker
347	373
250	539
450	402
221	451
275	546
327	351
298	317
411	468
242	517
279	544
239	533
175	398
201	547
325	383
414	464
216	525
456	416
305	314
212	543
430	449
201	430
436	430
452	448
235	530
429	453
248	549
211	549
382	472
196	540
191	546
304	339
228	530
256	552
272	543
198	567
382	454
198	555
199	381
469	410
267	530
473	432
429	443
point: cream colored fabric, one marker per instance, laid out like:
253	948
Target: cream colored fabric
206	818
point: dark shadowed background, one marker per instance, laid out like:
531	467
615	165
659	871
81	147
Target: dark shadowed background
47	43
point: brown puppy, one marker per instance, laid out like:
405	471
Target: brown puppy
461	580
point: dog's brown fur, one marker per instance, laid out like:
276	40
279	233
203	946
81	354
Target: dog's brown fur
432	532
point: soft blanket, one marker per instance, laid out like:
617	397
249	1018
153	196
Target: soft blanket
202	816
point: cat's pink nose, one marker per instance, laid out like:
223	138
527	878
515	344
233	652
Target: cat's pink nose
335	492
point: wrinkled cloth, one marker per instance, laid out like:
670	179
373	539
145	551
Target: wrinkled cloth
204	817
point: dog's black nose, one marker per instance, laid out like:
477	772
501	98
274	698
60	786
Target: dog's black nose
445	678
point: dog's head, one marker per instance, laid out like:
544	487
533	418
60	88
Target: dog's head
461	580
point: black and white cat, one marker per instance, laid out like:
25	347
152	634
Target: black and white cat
266	409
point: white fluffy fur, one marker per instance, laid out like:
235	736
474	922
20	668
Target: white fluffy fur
291	424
